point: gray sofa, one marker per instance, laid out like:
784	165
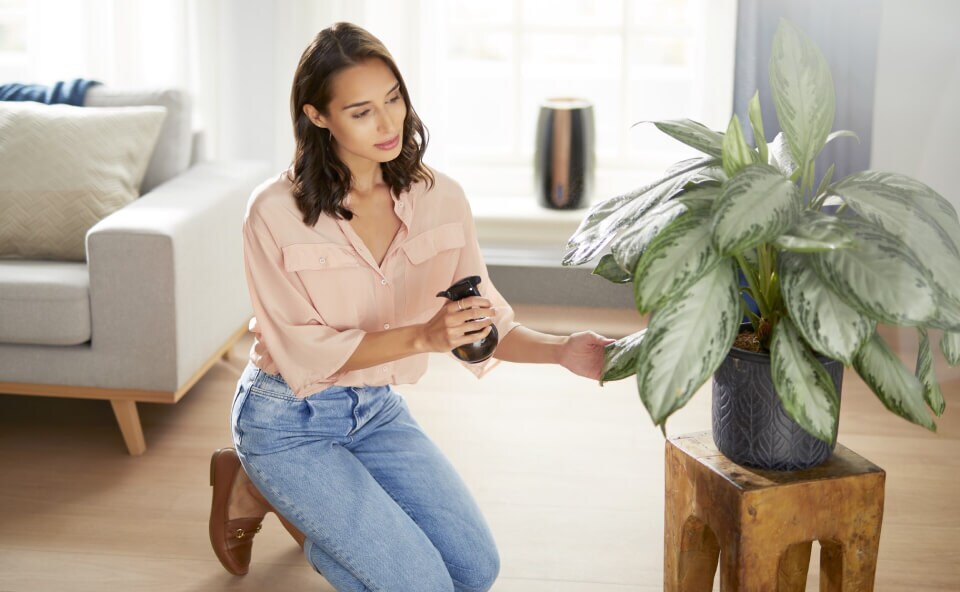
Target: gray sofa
161	297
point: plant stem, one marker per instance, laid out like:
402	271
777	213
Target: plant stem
758	296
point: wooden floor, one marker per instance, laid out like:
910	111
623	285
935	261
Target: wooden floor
569	475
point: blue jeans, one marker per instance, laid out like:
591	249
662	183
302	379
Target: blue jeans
381	507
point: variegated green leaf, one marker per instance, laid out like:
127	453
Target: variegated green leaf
880	277
815	231
841	134
896	204
802	90
948	314
780	157
628	248
756	205
709	174
940	211
608	269
927	375
806	390
686	341
605	220
620	357
699	197
756	123
897	208
825	181
896	387
693	134
680	255
831	326
950	347
736	153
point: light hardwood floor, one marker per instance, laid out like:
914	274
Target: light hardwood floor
569	475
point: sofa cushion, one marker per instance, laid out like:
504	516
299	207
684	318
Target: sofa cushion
44	302
64	168
172	154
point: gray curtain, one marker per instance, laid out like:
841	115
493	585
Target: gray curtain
846	31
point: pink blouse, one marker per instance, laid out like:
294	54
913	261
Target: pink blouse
316	291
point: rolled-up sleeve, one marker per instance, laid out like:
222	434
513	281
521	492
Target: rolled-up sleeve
472	263
308	353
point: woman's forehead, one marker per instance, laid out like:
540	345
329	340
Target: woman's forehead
368	80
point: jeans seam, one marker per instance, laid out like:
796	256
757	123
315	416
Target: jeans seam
273	395
346	561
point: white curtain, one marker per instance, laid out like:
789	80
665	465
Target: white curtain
129	44
236	58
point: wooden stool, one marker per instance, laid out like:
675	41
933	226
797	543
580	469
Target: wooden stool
761	523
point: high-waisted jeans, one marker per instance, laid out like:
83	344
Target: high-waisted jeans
381	507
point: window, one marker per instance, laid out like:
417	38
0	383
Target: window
13	34
486	67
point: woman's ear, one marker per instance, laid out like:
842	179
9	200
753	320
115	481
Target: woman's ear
314	116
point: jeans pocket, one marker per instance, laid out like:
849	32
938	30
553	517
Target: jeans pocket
270	422
333	412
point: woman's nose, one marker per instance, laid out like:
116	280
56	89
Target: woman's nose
385	122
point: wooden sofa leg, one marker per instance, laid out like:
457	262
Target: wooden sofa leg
129	420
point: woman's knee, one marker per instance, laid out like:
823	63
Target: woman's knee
480	573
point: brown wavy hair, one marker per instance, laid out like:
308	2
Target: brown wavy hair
320	179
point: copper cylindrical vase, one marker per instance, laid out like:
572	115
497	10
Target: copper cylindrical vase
564	158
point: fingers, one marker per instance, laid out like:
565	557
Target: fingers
471	336
456	316
469	302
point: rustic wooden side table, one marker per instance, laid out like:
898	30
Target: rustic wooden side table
760	524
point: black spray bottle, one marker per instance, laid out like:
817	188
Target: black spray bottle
477	351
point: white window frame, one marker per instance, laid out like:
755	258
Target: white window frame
511	175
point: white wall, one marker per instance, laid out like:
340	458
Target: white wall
260	43
916	114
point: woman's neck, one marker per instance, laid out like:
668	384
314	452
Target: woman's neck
365	174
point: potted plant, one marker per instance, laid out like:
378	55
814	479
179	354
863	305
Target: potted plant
824	265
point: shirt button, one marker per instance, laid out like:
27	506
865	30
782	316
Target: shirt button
383	282
322	260
386	325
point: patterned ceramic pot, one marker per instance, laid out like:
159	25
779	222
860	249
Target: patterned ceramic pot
750	425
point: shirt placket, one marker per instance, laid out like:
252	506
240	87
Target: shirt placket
392	267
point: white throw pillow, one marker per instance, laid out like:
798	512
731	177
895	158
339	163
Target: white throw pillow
64	168
171	155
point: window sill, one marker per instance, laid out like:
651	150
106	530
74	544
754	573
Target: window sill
518	231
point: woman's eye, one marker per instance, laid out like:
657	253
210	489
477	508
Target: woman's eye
361	114
394	99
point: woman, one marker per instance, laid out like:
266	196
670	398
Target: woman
344	255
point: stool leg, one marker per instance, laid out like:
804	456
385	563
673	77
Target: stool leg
831	566
690	549
749	566
794	565
848	568
696	562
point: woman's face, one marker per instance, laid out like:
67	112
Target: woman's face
365	115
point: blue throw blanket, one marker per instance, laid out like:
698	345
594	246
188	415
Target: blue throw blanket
71	92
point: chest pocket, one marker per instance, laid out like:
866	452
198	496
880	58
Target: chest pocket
427	245
318	257
335	281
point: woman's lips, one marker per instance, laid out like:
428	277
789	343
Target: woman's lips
390	144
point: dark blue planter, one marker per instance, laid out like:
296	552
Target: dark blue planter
750	425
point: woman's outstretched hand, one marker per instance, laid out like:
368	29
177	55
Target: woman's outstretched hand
582	354
449	327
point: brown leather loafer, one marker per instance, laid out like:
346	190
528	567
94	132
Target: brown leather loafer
232	540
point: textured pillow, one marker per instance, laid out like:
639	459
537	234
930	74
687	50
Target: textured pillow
171	155
64	168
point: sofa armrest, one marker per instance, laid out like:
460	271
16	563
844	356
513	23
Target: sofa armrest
167	286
